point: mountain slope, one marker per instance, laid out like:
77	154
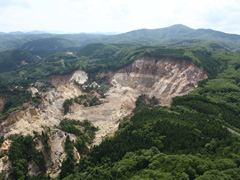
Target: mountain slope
112	85
11	60
44	47
48	44
161	36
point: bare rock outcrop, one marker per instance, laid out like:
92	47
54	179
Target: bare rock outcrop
5	164
22	122
164	78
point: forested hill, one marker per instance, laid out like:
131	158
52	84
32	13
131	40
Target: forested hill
99	57
48	46
190	140
176	34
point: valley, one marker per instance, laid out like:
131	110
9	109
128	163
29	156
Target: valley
120	110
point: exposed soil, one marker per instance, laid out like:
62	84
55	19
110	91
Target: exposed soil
1	105
163	78
60	80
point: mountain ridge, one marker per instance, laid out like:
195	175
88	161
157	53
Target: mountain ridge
159	36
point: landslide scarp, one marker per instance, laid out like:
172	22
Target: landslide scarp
163	78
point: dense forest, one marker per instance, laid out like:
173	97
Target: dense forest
188	140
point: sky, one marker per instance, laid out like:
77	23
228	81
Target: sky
76	16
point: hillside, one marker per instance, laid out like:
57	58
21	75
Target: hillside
121	107
162	36
44	47
15	41
165	36
11	60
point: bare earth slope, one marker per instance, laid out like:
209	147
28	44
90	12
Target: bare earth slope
164	78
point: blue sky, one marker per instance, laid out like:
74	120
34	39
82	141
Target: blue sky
75	16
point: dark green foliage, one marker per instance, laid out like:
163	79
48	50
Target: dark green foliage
189	140
98	50
14	98
40	177
169	132
1	140
48	44
85	130
37	99
45	141
191	133
97	59
153	164
68	164
67	103
87	100
11	60
85	133
22	151
104	84
144	102
19	169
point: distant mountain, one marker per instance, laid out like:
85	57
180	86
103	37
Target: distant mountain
47	46
163	36
36	32
16	32
178	35
105	33
175	31
209	33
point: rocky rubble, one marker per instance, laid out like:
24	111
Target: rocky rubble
164	78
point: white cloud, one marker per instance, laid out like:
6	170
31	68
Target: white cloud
117	15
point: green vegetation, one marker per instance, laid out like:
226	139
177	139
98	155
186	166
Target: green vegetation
45	141
1	140
68	164
144	102
21	152
67	103
98	60
85	133
102	86
188	140
48	46
161	143
14	100
11	60
87	100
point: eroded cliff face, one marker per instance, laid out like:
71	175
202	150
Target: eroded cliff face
164	78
